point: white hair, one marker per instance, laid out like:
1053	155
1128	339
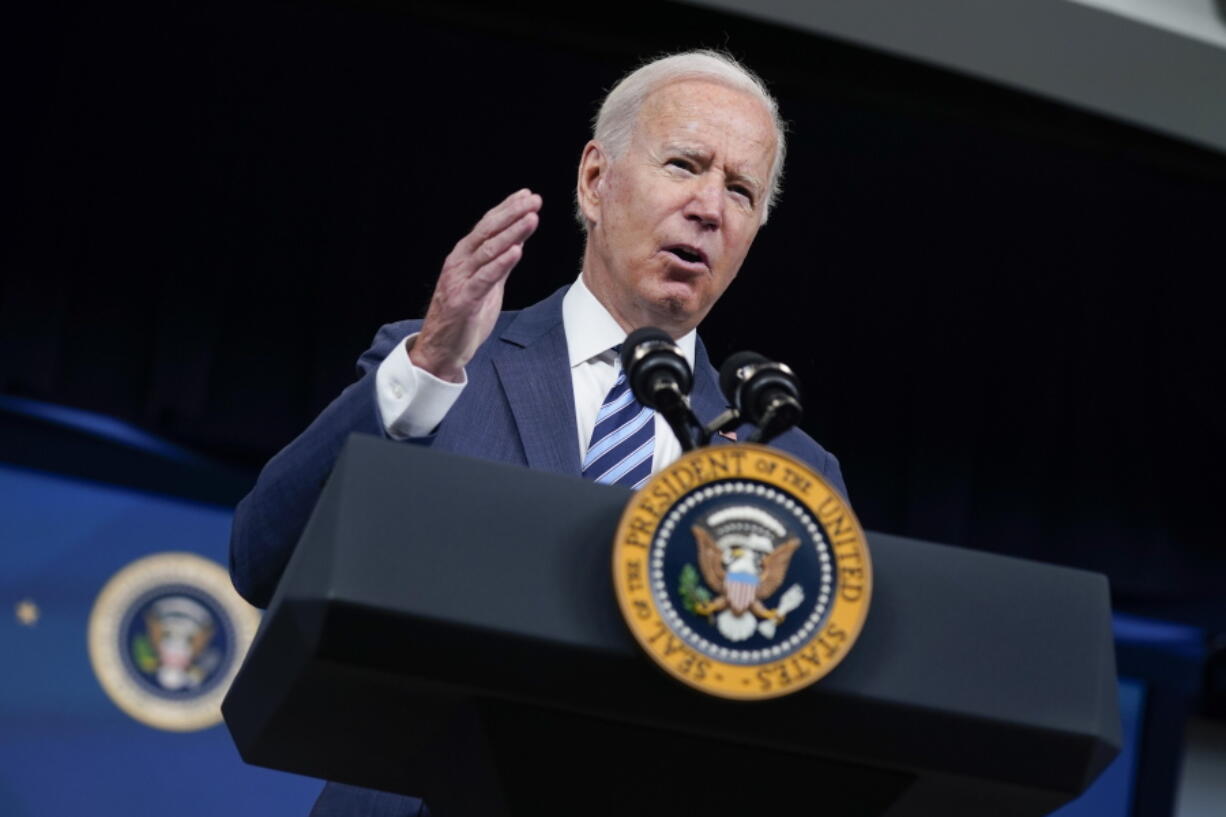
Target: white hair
614	124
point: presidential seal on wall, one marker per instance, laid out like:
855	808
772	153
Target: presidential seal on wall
742	572
166	637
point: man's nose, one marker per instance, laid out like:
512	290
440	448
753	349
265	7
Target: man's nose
706	204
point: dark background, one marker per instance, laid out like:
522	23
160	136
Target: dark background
1003	309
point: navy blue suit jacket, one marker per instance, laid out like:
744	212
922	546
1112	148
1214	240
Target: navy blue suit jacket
518	407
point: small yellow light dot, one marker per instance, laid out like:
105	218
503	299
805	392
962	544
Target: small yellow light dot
27	612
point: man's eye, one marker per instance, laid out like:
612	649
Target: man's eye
684	164
743	191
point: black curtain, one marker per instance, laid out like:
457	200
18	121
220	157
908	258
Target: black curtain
1002	309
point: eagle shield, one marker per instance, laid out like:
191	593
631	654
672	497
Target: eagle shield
743	554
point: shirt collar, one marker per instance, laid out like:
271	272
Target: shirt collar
591	330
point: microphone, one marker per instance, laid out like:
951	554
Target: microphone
658	374
762	391
661	378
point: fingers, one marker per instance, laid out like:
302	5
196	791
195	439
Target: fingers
514	235
495	272
504	250
468	294
510	215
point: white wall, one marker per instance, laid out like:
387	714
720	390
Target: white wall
1202	783
1160	64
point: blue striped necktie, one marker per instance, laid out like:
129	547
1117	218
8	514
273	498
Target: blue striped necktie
623	440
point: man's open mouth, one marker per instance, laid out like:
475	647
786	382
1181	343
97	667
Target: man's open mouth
688	254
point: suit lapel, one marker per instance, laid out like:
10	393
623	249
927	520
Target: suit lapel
533	368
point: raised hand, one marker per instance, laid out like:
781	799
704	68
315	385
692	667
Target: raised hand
468	295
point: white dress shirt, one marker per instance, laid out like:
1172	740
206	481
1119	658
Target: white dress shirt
412	402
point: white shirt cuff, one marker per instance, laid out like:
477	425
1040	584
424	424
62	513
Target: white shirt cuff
412	402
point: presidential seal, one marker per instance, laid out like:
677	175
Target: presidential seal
742	572
166	637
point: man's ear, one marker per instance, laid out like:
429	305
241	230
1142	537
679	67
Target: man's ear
593	168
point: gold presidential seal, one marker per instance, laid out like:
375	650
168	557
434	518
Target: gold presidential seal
166	637
742	572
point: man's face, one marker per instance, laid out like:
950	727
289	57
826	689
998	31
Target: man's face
672	218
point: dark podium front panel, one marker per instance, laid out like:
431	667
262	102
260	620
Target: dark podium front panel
447	628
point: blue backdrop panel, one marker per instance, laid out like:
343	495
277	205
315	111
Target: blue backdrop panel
65	747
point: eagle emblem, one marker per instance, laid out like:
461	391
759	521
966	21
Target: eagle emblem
175	648
167	634
729	579
743	555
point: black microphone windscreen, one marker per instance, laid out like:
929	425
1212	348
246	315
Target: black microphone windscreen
639	336
728	380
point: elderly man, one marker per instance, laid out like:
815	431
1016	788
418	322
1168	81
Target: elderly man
679	176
